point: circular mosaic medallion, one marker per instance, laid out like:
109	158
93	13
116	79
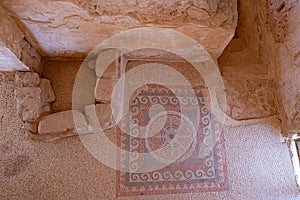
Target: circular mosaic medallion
175	141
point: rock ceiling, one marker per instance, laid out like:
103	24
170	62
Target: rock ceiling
72	28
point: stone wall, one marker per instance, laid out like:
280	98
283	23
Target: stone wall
286	26
34	97
45	104
275	36
16	53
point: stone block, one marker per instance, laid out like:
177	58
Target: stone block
63	122
106	65
104	89
47	93
46	109
198	14
27	79
249	98
28	103
99	115
32	127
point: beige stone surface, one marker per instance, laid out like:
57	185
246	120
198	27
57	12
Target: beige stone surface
99	116
249	98
210	22
27	79
107	70
239	60
46	109
47	93
111	69
62	122
47	96
32	127
289	70
104	89
272	30
250	91
288	88
28	103
35	102
258	70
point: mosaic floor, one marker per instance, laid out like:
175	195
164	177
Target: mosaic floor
175	144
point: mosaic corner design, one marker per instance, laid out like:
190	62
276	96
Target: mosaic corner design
193	172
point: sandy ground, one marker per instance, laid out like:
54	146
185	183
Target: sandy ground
258	163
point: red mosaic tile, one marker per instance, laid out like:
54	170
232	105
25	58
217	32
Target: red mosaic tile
192	171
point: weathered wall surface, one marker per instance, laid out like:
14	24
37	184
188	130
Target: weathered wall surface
272	29
16	53
249	88
74	27
287	70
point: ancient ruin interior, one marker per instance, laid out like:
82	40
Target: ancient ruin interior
64	63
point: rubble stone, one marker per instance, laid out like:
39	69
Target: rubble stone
47	93
32	127
28	103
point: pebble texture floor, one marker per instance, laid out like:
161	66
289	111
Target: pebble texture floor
258	164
